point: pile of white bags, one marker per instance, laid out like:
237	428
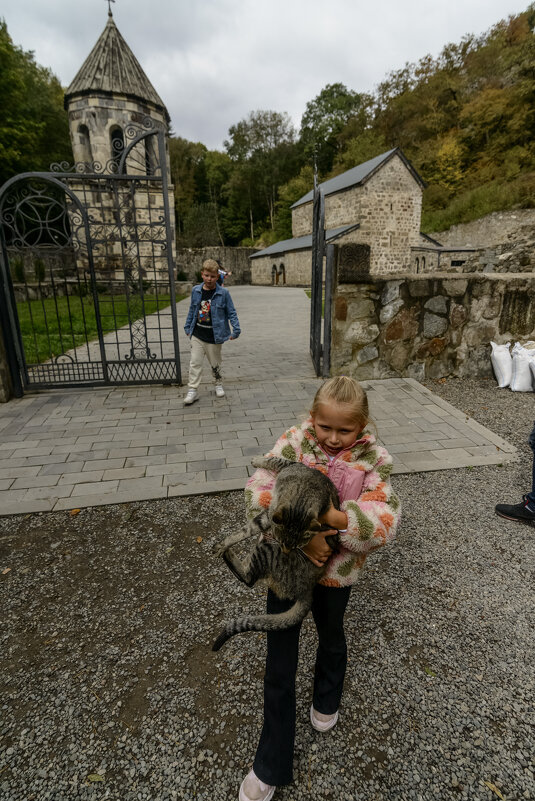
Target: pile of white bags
515	368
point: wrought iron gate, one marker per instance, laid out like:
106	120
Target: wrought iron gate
321	285
86	270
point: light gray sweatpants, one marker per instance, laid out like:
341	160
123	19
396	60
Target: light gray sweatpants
199	350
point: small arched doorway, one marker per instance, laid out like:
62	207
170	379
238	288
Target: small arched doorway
282	273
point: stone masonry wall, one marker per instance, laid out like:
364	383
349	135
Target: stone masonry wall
428	326
100	114
515	254
488	231
236	260
297	269
387	208
302	220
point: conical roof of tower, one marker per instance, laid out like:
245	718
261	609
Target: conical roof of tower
112	68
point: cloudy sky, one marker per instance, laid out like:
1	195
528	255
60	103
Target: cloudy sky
214	61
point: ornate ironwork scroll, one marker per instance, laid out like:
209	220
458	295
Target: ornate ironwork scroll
86	266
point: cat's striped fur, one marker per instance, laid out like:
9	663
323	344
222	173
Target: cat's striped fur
300	496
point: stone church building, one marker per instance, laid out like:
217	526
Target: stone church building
375	206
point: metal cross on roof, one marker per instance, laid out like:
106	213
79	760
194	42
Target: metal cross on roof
109	2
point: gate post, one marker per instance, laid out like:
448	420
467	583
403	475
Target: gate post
6	385
328	309
10	382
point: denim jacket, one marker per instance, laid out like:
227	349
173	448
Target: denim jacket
222	311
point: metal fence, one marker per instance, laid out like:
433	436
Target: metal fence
87	278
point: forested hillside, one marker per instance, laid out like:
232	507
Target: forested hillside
465	119
33	124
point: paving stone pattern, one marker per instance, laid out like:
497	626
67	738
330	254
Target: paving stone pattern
68	449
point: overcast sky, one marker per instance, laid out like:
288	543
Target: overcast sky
214	61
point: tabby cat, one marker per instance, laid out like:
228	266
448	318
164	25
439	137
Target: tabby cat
300	496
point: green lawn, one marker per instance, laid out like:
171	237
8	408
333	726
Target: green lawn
53	326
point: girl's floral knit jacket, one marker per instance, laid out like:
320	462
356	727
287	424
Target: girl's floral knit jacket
372	517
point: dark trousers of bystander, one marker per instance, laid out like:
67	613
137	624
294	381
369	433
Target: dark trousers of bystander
273	763
531	495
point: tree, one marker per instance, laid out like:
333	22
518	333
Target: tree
449	163
188	173
34	128
261	147
199	228
323	121
361	148
289	193
218	170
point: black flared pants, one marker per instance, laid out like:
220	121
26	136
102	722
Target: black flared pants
273	763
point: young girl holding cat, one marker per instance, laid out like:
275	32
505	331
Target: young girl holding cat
336	440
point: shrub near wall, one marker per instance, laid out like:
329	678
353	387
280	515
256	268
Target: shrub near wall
428	326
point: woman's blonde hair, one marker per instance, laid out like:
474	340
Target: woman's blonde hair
346	391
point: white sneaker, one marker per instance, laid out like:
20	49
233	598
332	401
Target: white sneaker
252	789
219	391
322	722
192	395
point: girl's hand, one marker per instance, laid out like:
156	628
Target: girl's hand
317	550
335	519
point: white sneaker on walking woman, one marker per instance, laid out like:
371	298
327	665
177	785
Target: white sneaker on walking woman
252	789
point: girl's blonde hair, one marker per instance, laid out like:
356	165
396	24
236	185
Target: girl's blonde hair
346	391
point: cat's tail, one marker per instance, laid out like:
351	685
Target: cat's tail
278	622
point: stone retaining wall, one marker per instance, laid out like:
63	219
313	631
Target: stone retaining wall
428	326
488	231
189	261
70	286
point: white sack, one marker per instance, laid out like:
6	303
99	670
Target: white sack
502	363
521	380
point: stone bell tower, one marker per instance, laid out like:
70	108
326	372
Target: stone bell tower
108	104
109	92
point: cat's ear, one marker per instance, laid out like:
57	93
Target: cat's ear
315	525
279	515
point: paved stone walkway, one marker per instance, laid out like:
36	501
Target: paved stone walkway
67	449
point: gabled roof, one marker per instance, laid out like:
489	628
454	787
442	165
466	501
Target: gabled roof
430	239
303	242
112	68
359	175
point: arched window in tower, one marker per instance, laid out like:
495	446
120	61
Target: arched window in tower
117	145
85	146
151	161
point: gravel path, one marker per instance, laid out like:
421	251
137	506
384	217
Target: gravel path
109	689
